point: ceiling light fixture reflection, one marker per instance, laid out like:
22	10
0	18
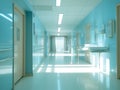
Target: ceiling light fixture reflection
59	29
60	19
7	18
58	3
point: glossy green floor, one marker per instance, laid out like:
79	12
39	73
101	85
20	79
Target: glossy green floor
66	72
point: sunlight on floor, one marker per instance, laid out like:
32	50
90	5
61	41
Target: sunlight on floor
68	69
73	70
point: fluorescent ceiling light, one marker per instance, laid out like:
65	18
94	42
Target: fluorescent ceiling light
6	17
59	29
58	3
60	19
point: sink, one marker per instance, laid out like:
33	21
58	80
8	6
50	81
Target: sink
98	49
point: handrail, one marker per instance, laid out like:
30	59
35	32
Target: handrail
5	49
5	59
38	48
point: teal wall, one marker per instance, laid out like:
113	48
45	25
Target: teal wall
28	42
39	42
38	36
6	45
6	40
98	19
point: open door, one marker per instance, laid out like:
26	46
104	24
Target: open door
18	44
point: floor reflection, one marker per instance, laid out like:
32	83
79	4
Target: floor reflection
68	73
64	63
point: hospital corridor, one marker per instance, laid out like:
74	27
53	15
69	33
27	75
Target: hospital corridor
60	45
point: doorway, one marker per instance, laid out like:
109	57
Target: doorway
18	44
60	46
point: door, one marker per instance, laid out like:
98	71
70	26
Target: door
60	45
18	44
87	34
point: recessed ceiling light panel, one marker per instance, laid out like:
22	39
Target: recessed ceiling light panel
60	19
58	3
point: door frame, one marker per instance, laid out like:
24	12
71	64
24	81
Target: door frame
17	8
118	40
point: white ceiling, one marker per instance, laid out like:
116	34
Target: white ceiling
74	11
